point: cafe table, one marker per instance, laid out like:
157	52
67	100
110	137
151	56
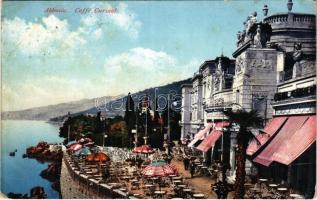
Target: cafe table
182	186
296	196
176	182
136	195
198	196
282	191
148	185
273	187
159	193
187	190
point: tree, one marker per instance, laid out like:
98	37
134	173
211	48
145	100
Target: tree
245	120
174	118
99	126
129	117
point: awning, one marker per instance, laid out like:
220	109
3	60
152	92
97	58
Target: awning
200	135
292	124
220	125
210	141
212	138
270	129
191	144
298	143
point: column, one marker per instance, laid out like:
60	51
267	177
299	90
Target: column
233	142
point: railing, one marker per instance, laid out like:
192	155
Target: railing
286	75
280	18
277	18
100	189
303	18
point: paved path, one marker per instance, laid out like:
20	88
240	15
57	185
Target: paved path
200	183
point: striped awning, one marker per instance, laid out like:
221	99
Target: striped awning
212	138
270	130
298	143
200	135
210	141
292	124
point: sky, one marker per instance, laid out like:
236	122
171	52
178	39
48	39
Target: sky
55	57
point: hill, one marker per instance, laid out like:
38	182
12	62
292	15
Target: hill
110	105
51	111
117	107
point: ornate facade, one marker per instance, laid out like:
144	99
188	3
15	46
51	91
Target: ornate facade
274	72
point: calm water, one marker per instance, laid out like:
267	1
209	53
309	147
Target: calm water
19	175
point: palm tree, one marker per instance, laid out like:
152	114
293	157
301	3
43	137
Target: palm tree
245	120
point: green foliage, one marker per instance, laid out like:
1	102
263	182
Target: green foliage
87	126
244	118
79	126
175	117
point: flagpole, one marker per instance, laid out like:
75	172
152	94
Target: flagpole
168	118
68	129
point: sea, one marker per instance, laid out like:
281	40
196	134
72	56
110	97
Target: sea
19	175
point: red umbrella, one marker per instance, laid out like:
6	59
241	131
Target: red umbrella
85	140
98	157
89	144
75	147
159	168
144	149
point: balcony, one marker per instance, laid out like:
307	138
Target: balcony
284	20
307	69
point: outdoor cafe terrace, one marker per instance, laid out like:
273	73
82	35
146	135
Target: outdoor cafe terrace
131	174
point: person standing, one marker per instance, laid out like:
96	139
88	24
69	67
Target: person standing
221	189
186	162
192	168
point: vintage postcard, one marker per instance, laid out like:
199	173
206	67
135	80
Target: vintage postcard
210	99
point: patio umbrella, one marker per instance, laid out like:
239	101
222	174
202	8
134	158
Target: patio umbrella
89	144
98	157
159	168
85	140
144	149
75	147
71	143
82	152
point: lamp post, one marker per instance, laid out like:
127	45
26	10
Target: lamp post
145	135
168	122
103	140
222	137
68	128
105	124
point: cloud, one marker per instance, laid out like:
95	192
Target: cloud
136	69
40	92
51	36
126	20
141	68
122	20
